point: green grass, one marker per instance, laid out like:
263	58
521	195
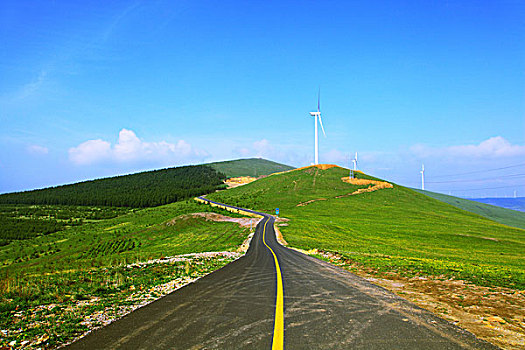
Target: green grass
139	235
249	167
65	298
390	230
498	214
89	261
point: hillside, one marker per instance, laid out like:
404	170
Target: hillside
392	229
58	286
508	203
492	212
249	167
149	188
146	189
78	256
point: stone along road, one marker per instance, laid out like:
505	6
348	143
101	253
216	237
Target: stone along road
275	297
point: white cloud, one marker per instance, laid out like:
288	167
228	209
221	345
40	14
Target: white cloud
265	149
38	150
335	156
89	152
260	149
131	149
494	147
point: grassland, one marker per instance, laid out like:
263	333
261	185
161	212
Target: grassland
50	283
396	230
498	214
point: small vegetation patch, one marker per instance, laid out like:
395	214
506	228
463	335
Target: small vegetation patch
113	246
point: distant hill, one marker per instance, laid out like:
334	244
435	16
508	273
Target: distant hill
390	229
149	188
496	213
249	167
146	189
509	203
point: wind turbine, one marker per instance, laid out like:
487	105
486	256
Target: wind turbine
317	114
355	161
422	176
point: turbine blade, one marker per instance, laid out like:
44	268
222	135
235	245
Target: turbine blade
321	122
319	99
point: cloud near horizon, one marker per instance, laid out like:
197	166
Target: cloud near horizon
265	149
494	147
130	149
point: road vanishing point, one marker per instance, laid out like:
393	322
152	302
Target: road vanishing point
275	298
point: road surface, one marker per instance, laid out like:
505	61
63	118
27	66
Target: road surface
275	297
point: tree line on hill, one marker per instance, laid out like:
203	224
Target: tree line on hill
146	189
18	229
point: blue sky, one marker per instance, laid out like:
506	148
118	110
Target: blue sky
95	89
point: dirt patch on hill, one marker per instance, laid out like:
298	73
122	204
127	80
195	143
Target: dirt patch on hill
318	166
310	201
239	181
373	185
311	167
494	314
243	222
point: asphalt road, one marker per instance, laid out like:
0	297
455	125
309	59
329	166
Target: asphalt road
237	307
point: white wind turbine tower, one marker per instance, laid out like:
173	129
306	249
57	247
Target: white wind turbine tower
355	161
422	176
316	115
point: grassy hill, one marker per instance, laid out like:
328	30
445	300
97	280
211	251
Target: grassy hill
249	167
34	213
394	229
134	236
498	214
73	253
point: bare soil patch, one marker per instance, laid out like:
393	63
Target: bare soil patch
310	201
239	181
494	314
279	235
374	185
243	222
318	166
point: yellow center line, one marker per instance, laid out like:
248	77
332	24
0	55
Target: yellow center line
278	325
